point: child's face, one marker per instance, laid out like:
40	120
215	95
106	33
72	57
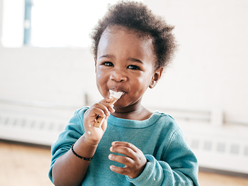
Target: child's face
125	62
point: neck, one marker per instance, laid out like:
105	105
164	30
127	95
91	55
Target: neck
133	113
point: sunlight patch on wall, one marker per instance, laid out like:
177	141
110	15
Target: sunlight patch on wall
54	23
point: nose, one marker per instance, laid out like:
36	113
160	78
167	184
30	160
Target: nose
118	76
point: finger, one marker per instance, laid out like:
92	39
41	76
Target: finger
97	114
125	144
103	107
125	150
106	102
120	170
122	159
92	114
132	169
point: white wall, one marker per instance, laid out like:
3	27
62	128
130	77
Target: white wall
208	72
53	75
1	21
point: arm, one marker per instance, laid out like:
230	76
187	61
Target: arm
178	167
68	169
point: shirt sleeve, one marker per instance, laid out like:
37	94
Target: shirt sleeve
73	131
178	167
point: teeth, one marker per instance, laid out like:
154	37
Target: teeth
114	94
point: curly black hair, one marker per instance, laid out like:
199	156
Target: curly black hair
137	17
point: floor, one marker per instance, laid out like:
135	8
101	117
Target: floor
28	165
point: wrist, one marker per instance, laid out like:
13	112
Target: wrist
89	140
85	148
84	158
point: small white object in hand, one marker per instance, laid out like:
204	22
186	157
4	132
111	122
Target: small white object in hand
115	96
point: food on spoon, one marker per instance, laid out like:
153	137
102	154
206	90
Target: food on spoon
115	96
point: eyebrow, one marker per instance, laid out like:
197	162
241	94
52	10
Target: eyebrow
107	55
135	60
129	59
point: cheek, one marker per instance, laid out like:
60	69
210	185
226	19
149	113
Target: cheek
100	75
140	85
101	81
143	81
99	78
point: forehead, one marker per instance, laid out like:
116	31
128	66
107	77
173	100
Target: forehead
130	42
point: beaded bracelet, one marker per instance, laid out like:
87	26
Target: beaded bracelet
87	159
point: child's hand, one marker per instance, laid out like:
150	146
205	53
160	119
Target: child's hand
102	109
134	159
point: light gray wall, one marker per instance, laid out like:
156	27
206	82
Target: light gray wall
1	21
208	72
60	76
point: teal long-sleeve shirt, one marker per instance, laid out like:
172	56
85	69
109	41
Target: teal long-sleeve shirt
170	160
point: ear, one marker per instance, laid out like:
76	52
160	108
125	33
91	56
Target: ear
156	76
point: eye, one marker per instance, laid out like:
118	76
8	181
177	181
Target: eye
133	67
107	64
